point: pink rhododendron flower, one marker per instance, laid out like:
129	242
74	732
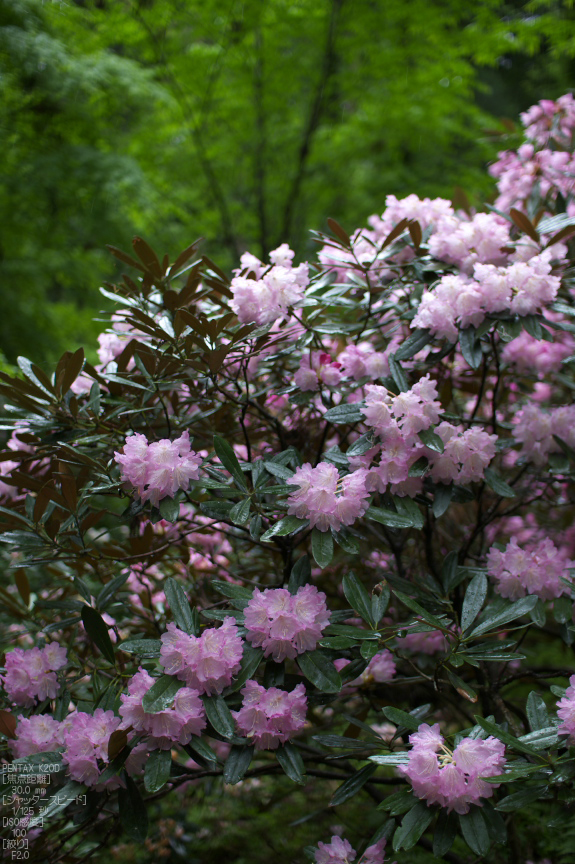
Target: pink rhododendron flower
270	717
37	734
285	624
535	428
86	741
325	498
318	367
465	456
566	711
537	570
159	469
30	673
381	668
340	851
206	663
186	717
274	290
452	779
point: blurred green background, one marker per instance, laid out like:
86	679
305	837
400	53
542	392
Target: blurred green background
245	122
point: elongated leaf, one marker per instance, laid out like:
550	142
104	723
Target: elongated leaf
132	811
343	742
412	826
319	669
511	613
344	414
474	831
431	440
169	509
462	687
240	512
473	600
97	630
537	712
161	695
398	374
219	715
300	574
229	460
287	525
322	547
388	517
444	834
352	785
423	613
442	499
470	347
179	604
157	772
237	763
251	659
521	799
358	598
379	603
402	718
498	485
199	748
108	592
414	343
290	759
142	647
401	758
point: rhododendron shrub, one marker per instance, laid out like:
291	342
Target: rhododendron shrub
308	533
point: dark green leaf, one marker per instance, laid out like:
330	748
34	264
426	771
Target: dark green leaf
216	509
462	687
251	659
442	499
108	592
161	695
346	540
157	772
444	834
203	750
358	598
412	826
219	715
179	604
229	460
494	620
352	785
287	525
473	600
319	669
97	630
343	742
521	799
170	509
413	344
132	811
322	547
344	414
300	574
470	347
423	613
398	802
402	718
400	758
379	603
142	647
237	763
498	485
290	759
474	831
388	517
431	440
240	512
228	589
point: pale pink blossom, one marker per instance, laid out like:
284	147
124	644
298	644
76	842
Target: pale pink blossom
270	717
285	624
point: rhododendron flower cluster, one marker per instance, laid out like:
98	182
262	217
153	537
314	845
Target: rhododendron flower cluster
452	779
538	570
160	469
186	717
535	428
381	668
206	663
86	741
30	674
285	624
275	289
523	288
325	498
566	711
270	716
537	357
39	733
466	455
340	851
